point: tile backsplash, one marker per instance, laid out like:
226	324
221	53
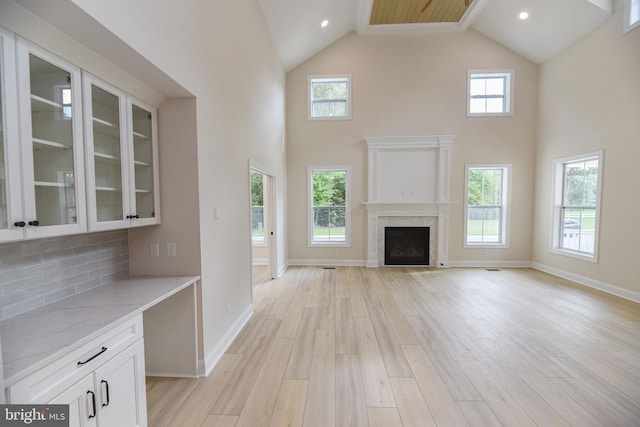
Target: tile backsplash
37	272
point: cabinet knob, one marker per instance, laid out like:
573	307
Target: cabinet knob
20	224
35	223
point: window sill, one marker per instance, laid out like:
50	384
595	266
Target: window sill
329	244
485	246
508	114
575	255
329	118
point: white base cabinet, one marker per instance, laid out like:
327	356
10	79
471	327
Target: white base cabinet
112	395
103	381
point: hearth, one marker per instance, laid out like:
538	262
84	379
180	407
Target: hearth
406	245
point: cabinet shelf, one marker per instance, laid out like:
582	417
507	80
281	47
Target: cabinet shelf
112	189
106	128
142	191
52	144
142	164
140	136
104	156
49	184
42	104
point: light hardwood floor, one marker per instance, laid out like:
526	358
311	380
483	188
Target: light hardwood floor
356	346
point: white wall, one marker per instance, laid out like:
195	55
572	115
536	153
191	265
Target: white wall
590	100
221	53
412	85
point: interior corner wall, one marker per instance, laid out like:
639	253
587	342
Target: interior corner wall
177	155
412	85
589	100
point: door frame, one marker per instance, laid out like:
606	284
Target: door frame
269	192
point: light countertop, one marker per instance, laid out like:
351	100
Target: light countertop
34	339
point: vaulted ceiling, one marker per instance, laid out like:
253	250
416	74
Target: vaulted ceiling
551	26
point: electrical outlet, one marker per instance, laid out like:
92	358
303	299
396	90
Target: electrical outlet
154	249
171	249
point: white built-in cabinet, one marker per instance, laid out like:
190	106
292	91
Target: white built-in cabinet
50	113
64	170
42	172
121	150
103	381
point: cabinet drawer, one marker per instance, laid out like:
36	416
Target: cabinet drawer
43	385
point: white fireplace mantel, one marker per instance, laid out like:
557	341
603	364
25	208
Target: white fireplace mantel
409	180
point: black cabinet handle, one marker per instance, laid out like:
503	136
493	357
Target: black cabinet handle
102	350
108	400
35	223
20	224
132	216
93	403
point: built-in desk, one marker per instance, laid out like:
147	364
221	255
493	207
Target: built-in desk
33	340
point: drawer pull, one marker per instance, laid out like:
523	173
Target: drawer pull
93	404
108	400
102	350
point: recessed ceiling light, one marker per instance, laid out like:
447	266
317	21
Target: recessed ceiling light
324	23
523	15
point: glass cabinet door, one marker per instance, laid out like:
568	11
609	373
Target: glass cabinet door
104	110
11	218
144	200
52	126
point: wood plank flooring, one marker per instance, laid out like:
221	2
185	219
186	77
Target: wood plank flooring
356	346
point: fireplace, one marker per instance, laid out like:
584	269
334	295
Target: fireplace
408	186
406	245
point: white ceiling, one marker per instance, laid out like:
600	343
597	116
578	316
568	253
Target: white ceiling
552	25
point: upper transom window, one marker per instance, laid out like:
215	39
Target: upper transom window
330	97
490	93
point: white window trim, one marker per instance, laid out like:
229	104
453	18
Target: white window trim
556	227
506	202
310	96
347	214
627	25
509	96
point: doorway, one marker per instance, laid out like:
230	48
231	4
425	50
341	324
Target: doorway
262	229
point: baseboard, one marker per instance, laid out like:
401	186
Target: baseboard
169	375
214	356
260	261
328	262
489	264
283	268
589	282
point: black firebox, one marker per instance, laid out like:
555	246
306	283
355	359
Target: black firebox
406	245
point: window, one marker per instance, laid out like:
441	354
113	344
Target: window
578	182
330	97
486	206
257	209
631	15
329	198
490	93
62	95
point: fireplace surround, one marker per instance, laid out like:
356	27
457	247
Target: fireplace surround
408	186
